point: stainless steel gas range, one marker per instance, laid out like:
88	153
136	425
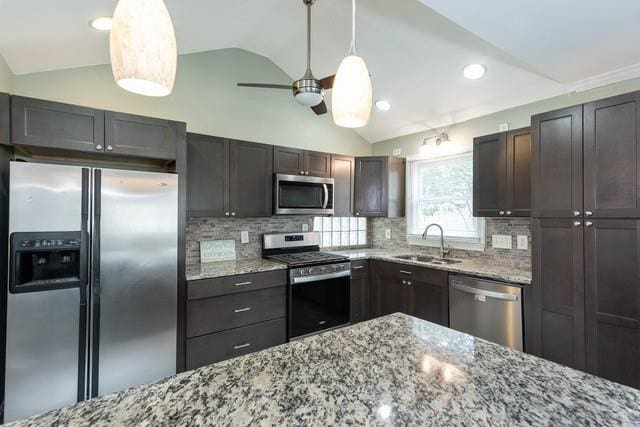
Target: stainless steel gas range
318	287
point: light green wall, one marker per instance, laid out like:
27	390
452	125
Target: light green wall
462	134
206	97
6	77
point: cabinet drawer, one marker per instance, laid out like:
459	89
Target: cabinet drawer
214	348
431	276
210	315
359	268
218	286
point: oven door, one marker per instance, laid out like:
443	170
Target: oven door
306	195
319	304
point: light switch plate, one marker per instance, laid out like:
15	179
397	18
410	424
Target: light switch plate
387	233
499	241
523	242
397	151
305	227
503	127
244	236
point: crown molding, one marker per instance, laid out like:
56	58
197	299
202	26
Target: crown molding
604	79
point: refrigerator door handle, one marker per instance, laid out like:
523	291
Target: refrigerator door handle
84	267
95	283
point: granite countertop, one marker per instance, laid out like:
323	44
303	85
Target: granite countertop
480	268
392	370
211	270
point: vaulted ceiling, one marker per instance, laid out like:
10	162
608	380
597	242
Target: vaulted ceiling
415	49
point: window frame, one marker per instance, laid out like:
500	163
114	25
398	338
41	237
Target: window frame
466	243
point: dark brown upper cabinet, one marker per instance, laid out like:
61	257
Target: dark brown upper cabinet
555	327
612	157
556	164
502	174
293	161
5	136
250	179
48	124
380	186
343	169
612	284
207	176
139	136
228	178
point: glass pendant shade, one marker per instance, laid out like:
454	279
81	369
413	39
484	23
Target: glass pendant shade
352	95
143	47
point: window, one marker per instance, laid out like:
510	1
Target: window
441	191
341	231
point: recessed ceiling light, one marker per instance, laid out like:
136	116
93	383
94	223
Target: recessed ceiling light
474	71
383	105
103	23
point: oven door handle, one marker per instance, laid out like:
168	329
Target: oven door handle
326	196
320	277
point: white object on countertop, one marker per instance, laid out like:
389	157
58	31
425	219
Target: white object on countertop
217	250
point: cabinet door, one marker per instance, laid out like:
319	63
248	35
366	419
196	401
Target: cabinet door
343	172
556	163
371	198
251	179
388	293
518	185
612	251
489	171
555	325
288	161
359	295
317	164
39	123
428	295
140	136
207	176
4	119
612	157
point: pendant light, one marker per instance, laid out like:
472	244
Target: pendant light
143	47
352	92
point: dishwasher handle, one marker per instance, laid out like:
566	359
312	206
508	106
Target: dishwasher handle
483	292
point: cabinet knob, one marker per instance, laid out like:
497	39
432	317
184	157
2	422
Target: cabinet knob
109	147
404	282
301	172
588	213
576	213
99	147
409	283
357	213
508	212
588	223
226	213
501	213
577	224
306	173
233	214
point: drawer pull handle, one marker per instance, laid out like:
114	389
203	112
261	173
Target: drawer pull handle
243	283
405	272
357	267
238	347
241	310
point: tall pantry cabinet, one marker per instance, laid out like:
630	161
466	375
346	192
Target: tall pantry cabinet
585	311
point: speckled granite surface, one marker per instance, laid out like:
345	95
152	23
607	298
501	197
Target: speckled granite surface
395	370
480	268
231	268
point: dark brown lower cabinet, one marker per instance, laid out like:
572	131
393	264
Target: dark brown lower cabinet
612	254
359	295
418	291
554	328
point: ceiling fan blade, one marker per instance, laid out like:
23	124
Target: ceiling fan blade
266	86
327	82
320	108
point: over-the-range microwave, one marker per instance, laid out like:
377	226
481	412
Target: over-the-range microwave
302	195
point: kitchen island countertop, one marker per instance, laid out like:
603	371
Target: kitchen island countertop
392	370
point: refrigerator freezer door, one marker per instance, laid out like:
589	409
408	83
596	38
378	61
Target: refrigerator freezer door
138	255
43	328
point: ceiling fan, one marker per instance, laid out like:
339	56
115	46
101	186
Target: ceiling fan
308	90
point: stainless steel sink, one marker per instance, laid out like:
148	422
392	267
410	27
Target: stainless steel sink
428	259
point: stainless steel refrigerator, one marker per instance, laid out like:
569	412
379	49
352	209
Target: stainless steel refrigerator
92	283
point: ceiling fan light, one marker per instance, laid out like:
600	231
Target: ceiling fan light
352	93
309	99
143	47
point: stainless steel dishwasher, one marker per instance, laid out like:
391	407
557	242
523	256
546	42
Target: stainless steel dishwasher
486	309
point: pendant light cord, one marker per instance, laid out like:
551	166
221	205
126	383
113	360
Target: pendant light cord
352	51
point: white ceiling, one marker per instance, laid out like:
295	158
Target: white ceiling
415	49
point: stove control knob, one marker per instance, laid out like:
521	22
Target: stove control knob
310	271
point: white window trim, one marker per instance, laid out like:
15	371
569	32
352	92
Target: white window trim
469	244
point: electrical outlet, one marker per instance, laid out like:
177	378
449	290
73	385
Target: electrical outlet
397	151
523	242
499	241
503	127
244	236
387	233
305	227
